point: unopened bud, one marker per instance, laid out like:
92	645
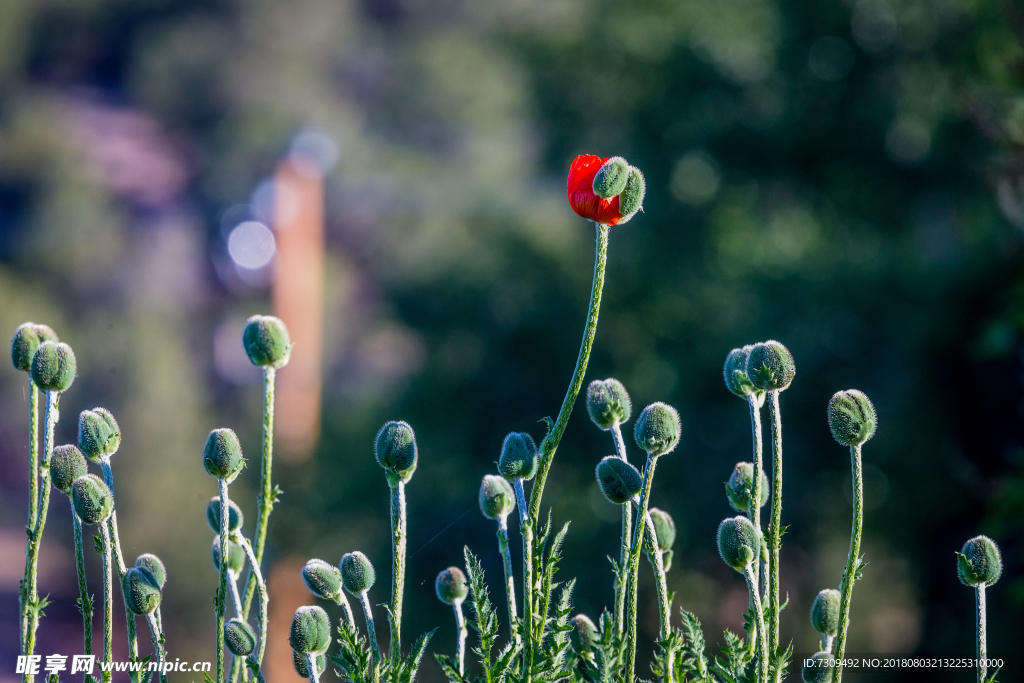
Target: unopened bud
222	456
302	666
92	499
395	450
235	517
310	630
497	499
825	612
451	586
632	198
584	635
979	562
98	434
657	429
770	366
322	579
852	417
740	487
66	465
738	542
141	594
151	563
611	178
239	638
819	668
518	456
357	573
664	529
266	341
236	556
54	366
735	372
26	341
608	403
619	481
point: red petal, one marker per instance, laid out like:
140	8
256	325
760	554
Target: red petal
579	190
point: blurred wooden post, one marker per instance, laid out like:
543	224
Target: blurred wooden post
287	594
298	299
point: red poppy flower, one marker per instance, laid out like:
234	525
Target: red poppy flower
580	191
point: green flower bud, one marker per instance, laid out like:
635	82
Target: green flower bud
608	403
322	579
818	668
657	429
222	456
632	198
66	465
357	573
770	366
851	417
141	594
395	450
738	542
497	499
735	372
98	434
302	666
92	499
152	564
740	487
664	529
25	343
235	517
825	612
239	638
236	556
53	366
611	178
979	562
584	635
311	630
518	457
619	481
266	341
451	586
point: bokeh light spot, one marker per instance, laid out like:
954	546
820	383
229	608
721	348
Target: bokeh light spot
251	245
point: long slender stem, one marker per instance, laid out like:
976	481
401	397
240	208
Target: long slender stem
222	586
84	601
460	646
342	602
133	638
371	632
157	636
664	602
526	531
398	541
108	602
755	497
33	501
236	600
32	558
510	580
852	562
265	597
634	564
314	675
554	435
625	538
762	663
775	529
980	614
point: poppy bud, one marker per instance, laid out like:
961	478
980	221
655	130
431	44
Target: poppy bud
632	198
53	366
619	481
236	556
608	403
395	449
664	529
357	573
222	456
239	638
92	499
497	499
302	666
25	343
610	179
740	487
235	518
310	631
818	668
518	456
735	372
738	542
141	594
979	562
66	465
152	564
98	434
322	579
825	612
450	586
851	417
266	341
583	635
657	429
770	366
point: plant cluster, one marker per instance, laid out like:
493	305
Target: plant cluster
546	644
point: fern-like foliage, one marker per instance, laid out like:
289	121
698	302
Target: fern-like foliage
354	660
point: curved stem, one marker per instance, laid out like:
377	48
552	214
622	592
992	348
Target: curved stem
157	637
626	535
236	600
108	602
133	641
259	670
762	664
460	624
32	605
510	580
342	602
634	564
526	531
265	501
265	597
398	540
222	585
852	561
371	632
554	435
84	601
979	605
33	501
775	529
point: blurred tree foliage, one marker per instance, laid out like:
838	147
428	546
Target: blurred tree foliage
846	177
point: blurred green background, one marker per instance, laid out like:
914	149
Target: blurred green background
846	177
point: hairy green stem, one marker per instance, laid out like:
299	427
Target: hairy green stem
634	564
108	602
526	531
398	541
626	535
84	601
852	562
775	529
460	646
33	503
762	659
664	602
222	586
259	670
754	508
371	632
554	435
342	602
122	569
264	621
157	636
979	605
314	675
236	600
510	580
